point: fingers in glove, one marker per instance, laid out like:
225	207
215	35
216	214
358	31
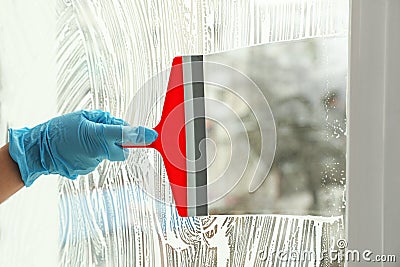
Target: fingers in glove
104	117
112	142
138	136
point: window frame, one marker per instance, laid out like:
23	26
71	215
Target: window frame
373	127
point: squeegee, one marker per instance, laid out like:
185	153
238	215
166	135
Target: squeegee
188	119
177	136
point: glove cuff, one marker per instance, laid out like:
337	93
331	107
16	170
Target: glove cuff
25	148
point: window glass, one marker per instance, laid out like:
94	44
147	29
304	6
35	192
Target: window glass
107	51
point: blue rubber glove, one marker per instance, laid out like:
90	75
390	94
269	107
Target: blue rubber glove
73	144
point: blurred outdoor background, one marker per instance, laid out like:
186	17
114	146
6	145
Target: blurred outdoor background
304	83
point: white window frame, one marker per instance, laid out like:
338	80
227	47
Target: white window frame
373	192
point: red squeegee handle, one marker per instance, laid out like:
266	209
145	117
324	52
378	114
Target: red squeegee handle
171	141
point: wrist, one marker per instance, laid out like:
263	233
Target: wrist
26	148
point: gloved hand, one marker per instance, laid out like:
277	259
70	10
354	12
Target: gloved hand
73	144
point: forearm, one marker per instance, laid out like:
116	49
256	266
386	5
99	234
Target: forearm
10	177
